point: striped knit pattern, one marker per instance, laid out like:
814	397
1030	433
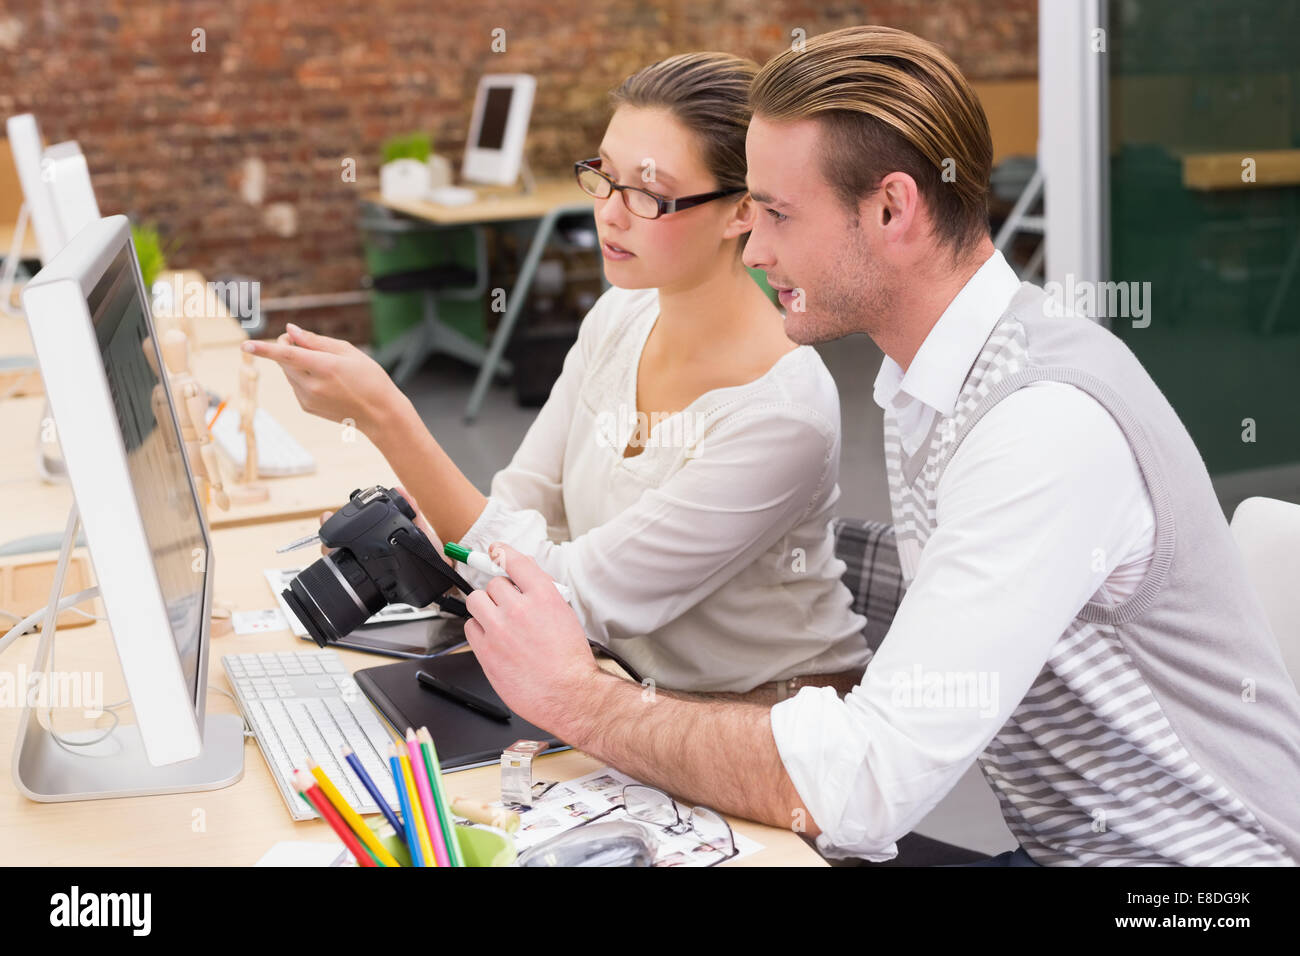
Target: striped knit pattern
1087	769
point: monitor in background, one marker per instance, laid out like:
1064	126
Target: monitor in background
148	540
25	143
498	129
64	169
58	198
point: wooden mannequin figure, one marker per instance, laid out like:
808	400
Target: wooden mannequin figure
192	410
192	402
246	489
169	306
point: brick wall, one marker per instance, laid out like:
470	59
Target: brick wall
294	88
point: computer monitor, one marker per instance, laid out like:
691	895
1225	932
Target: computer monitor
498	129
148	538
65	171
58	198
25	143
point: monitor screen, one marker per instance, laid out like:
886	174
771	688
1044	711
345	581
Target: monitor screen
496	110
155	455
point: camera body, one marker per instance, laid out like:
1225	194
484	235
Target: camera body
380	557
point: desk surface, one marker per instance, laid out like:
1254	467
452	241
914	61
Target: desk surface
1214	171
495	204
214	328
234	826
345	459
30	248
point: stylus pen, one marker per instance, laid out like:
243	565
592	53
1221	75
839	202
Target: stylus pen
464	697
481	562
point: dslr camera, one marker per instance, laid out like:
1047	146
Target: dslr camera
380	557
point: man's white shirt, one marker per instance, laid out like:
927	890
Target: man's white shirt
1041	509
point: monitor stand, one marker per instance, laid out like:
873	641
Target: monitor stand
48	771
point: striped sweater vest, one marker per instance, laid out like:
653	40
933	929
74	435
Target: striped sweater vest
1163	729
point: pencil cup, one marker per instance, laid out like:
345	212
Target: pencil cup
485	846
480	846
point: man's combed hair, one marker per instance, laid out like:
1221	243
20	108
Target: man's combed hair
888	101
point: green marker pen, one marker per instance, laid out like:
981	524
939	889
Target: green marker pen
481	562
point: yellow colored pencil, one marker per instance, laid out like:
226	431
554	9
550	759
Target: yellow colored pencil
364	833
421	828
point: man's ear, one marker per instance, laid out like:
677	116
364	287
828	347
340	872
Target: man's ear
743	217
894	206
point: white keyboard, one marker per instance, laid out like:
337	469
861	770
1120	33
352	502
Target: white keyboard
452	196
278	452
305	705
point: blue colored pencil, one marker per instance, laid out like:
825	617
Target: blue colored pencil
399	780
355	763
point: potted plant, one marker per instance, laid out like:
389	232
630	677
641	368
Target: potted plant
149	250
410	169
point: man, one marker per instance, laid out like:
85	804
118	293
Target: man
1076	618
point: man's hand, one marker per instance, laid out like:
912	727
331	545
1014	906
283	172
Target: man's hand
533	650
530	643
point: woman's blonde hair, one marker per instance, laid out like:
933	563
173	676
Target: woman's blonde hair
888	101
708	93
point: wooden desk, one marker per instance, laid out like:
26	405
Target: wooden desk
214	328
345	459
1214	171
30	249
551	200
19	421
234	826
494	204
1275	168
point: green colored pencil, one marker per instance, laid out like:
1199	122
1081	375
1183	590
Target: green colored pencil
449	834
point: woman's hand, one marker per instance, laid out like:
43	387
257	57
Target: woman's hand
423	524
331	378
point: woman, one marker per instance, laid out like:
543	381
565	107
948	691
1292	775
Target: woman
681	475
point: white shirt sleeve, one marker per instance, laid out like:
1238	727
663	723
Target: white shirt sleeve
1034	510
754	478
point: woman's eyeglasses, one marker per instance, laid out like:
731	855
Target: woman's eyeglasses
639	202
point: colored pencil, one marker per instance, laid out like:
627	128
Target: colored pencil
355	763
432	818
321	804
350	816
417	814
440	796
412	840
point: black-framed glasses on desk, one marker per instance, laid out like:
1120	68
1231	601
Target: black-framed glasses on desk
640	202
651	805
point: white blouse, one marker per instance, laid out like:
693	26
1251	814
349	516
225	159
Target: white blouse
706	561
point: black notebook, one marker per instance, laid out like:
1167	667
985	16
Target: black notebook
464	738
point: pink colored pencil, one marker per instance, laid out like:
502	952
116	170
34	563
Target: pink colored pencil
426	799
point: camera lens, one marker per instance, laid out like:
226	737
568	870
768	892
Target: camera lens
333	596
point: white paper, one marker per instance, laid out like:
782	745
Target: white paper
257	622
572	802
300	853
280	578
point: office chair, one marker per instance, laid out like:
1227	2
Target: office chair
446	281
